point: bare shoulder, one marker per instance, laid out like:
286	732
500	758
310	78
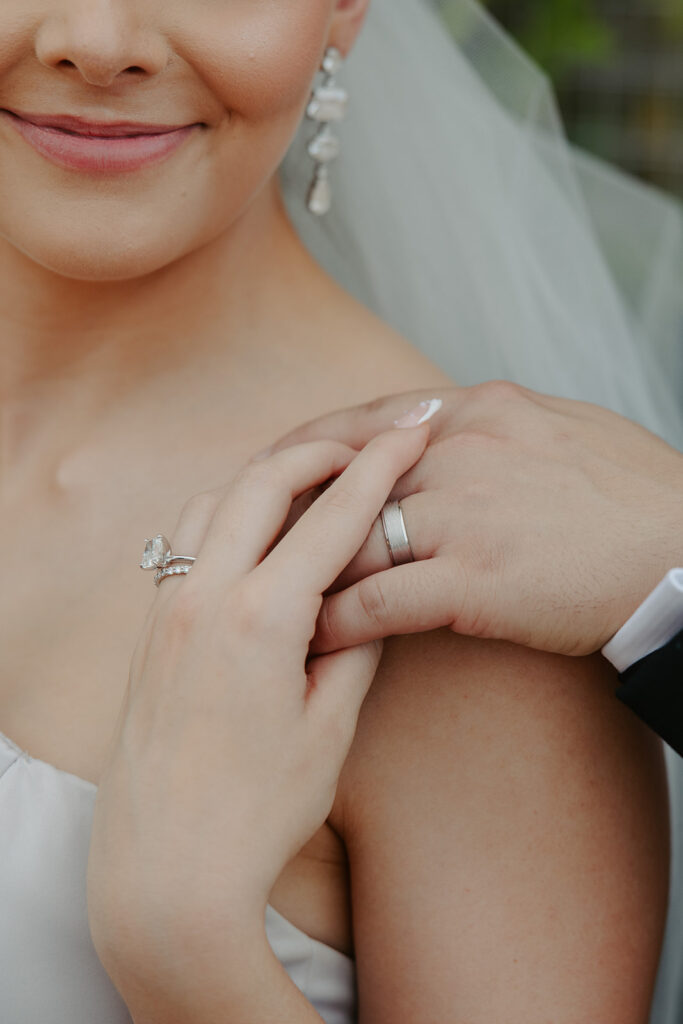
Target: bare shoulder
390	361
504	813
361	356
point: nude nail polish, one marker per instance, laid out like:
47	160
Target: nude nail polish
420	414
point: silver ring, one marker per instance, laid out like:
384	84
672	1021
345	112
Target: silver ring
396	534
170	570
158	555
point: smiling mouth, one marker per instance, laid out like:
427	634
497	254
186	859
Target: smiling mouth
99	147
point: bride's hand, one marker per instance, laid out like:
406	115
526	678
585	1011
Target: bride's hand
230	741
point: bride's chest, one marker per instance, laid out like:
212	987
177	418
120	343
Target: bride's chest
72	605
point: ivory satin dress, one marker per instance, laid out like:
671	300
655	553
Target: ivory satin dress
49	970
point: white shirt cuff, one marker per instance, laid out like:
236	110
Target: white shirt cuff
652	625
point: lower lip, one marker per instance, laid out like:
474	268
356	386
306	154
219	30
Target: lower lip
97	154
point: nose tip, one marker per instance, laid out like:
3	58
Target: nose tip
100	49
98	73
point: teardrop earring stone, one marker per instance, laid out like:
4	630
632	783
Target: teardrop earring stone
320	194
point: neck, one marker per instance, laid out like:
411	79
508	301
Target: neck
72	349
55	328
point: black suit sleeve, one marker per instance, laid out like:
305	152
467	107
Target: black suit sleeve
653	688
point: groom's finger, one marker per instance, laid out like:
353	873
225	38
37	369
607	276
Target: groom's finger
410	598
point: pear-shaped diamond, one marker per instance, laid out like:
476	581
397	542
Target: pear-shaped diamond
320	195
328	103
157	550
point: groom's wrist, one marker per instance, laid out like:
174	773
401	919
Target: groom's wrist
652	626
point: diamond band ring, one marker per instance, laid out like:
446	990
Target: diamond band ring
396	534
158	555
170	570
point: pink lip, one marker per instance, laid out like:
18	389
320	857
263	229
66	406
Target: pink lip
96	147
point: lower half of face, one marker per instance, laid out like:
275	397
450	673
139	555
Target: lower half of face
139	131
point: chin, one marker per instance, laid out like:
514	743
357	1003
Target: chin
98	263
98	248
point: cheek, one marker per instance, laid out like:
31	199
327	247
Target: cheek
257	57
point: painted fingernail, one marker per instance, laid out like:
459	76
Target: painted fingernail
420	414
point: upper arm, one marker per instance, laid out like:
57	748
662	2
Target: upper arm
506	825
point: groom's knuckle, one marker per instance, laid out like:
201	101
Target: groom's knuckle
329	625
497	393
478	442
372	601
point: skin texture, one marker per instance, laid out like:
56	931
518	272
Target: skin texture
508	473
157	332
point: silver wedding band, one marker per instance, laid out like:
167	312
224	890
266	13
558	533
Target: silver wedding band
396	534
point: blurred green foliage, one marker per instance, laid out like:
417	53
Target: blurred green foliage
617	67
561	34
671	12
558	33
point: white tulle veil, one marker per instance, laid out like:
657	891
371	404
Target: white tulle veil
462	217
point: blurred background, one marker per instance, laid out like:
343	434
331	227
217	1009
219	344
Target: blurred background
617	68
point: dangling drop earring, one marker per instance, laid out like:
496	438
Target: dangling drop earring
327	104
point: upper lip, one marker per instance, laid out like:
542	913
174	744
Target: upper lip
101	129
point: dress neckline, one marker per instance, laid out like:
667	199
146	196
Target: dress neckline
327	951
20	752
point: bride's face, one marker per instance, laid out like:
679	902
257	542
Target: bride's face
208	92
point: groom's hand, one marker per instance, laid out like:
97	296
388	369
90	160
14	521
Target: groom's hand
532	519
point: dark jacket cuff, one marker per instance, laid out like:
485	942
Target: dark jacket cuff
653	688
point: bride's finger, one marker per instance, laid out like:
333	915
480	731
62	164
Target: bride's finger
193	522
329	534
253	510
339	683
357	425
